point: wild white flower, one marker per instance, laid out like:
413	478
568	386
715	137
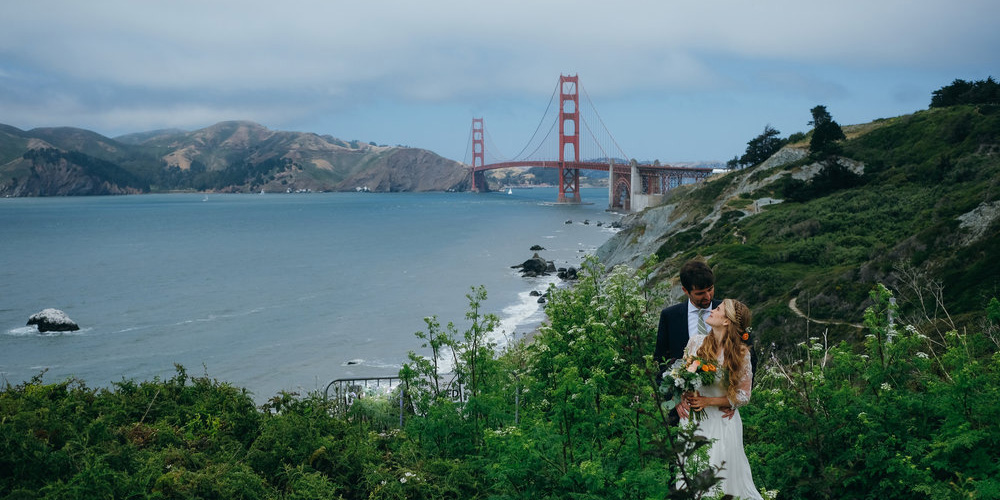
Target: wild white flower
886	386
504	431
922	355
402	480
817	347
911	328
862	416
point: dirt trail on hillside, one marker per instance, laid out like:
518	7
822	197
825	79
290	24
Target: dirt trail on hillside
795	309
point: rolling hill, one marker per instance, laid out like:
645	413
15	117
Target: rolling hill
234	156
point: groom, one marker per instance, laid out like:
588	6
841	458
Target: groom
679	321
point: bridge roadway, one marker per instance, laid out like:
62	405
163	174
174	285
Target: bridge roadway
586	165
631	187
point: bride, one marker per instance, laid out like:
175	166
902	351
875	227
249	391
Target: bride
720	401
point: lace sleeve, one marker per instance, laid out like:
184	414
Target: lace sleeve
746	379
694	343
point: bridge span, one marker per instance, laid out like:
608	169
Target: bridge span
631	186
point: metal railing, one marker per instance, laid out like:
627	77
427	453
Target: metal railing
347	390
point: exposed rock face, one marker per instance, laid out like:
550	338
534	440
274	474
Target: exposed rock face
52	320
644	232
976	222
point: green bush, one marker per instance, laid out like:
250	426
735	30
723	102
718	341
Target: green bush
572	414
901	417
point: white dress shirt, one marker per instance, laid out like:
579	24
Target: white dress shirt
693	319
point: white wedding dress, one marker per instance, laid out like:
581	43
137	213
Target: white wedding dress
727	434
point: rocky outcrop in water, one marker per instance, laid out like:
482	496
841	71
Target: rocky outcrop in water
567	273
52	320
535	266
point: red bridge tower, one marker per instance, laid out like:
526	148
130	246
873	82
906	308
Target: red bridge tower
569	134
478	151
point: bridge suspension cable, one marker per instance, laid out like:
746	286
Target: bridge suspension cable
520	155
590	106
602	144
492	151
534	155
467	159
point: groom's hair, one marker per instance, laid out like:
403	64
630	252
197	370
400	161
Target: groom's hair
696	275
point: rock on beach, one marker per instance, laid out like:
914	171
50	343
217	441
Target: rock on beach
52	320
535	266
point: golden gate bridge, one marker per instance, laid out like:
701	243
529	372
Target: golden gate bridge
631	186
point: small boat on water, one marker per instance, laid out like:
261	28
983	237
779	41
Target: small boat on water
510	191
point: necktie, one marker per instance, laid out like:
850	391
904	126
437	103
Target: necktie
702	329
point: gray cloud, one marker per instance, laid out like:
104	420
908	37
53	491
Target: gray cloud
122	65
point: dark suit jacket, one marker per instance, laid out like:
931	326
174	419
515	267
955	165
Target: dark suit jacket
672	334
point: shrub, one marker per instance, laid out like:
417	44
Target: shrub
901	417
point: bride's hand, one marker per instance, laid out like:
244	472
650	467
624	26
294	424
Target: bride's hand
696	402
684	407
728	412
683	410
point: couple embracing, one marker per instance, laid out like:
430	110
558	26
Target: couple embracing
713	330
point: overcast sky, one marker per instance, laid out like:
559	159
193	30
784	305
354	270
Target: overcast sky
671	80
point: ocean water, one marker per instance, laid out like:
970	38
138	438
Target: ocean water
270	292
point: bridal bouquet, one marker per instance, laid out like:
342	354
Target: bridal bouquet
688	374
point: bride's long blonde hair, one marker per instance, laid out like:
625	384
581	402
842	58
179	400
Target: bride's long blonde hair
733	349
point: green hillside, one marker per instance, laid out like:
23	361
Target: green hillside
921	218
